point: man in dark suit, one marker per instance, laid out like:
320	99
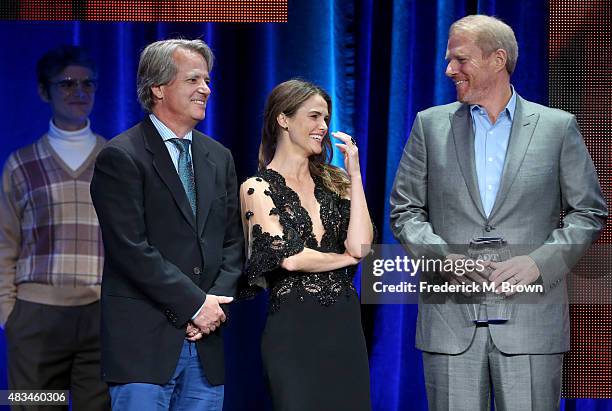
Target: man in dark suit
166	198
495	165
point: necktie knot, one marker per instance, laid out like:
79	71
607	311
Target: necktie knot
182	144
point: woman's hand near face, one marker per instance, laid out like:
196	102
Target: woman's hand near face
350	152
360	230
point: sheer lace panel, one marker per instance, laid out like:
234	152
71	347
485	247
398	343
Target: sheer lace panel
277	226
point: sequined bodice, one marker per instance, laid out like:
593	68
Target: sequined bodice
267	251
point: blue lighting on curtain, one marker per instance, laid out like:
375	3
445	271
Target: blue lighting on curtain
487	7
123	74
270	57
208	124
392	350
362	91
76	33
447	12
332	86
162	31
400	101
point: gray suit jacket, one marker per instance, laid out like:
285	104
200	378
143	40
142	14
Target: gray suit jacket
435	203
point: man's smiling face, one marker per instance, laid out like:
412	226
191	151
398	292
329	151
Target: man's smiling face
472	73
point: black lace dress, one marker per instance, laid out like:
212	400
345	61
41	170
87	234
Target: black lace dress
313	347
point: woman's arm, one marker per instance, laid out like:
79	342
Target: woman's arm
313	261
360	231
270	244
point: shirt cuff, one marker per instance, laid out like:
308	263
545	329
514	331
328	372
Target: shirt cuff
197	312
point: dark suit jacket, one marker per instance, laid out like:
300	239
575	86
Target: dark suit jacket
160	260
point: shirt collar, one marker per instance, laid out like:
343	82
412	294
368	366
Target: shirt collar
509	109
165	133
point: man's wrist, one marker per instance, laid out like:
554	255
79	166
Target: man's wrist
199	310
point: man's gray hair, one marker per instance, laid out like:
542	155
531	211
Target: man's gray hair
490	34
156	66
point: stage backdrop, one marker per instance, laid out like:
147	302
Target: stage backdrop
382	62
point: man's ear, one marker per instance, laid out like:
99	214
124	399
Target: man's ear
281	119
500	57
43	93
158	92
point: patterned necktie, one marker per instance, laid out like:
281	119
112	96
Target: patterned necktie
185	170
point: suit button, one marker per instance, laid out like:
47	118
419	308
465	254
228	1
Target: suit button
197	270
489	228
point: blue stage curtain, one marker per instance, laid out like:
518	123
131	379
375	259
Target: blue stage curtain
381	61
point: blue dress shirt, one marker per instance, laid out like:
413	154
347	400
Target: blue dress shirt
490	145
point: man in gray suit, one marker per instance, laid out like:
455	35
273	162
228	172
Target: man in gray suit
495	165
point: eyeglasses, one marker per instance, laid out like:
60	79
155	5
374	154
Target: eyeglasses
70	85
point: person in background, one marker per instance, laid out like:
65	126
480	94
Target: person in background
51	253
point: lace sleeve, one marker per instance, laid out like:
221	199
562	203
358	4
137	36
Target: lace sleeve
268	240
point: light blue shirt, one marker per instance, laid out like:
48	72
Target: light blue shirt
490	145
166	134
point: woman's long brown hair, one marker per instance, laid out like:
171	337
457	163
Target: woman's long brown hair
287	98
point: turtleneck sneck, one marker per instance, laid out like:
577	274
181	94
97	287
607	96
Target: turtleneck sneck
73	147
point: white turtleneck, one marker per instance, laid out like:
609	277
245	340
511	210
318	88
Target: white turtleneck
73	147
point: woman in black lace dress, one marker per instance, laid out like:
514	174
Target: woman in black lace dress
307	225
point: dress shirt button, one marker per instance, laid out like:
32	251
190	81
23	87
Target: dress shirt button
197	270
490	158
490	187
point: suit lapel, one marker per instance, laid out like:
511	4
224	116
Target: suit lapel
205	173
162	163
523	125
463	135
